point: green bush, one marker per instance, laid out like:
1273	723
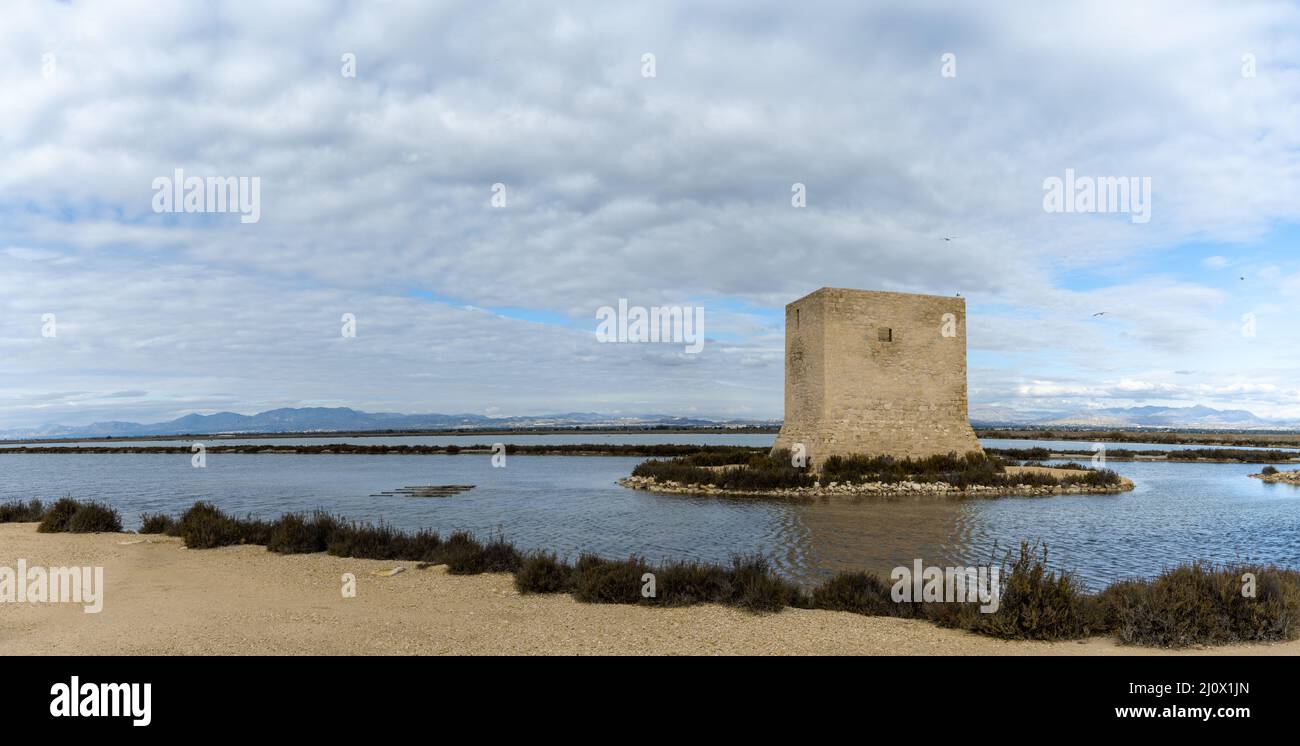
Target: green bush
757	588
542	572
383	542
1201	604
860	593
204	526
1039	604
688	583
298	534
92	518
461	554
1034	603
760	472
600	581
72	516
498	555
1093	478
57	517
253	531
22	512
156	523
465	555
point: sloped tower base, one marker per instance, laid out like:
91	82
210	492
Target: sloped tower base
875	373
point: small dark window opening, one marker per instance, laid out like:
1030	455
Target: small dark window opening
886	335
796	318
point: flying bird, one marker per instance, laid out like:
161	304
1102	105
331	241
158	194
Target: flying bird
1099	313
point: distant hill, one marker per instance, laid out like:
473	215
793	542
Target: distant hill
1197	416
343	419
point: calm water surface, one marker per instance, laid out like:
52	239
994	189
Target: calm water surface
1178	512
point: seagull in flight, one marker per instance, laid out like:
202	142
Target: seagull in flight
1099	313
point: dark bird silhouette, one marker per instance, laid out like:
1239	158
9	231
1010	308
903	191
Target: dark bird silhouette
1099	313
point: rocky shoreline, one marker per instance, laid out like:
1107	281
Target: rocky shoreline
876	489
1282	477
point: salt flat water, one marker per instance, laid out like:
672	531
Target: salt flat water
1179	512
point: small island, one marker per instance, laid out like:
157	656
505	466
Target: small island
1273	475
776	475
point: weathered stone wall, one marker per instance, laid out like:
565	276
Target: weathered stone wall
874	373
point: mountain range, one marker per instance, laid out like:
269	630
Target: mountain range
343	419
1198	416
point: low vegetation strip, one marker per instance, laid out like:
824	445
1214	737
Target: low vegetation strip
1227	455
559	449
1194	604
1277	439
64	516
768	473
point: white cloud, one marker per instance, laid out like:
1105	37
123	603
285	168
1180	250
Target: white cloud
666	190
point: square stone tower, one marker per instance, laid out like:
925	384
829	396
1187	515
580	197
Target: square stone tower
875	373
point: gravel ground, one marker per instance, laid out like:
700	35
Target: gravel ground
161	598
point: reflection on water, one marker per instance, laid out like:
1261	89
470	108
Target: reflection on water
1178	512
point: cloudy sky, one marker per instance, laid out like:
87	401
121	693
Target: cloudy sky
376	199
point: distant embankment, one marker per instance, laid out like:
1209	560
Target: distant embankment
653	450
456	432
588	449
1261	440
1188	455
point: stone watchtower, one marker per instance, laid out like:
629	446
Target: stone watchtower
875	373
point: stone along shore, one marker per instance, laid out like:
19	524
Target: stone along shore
1284	477
887	489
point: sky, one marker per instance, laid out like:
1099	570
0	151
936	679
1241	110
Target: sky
472	181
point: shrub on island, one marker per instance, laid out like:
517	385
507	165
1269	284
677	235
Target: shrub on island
769	472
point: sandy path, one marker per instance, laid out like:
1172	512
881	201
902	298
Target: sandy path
163	599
